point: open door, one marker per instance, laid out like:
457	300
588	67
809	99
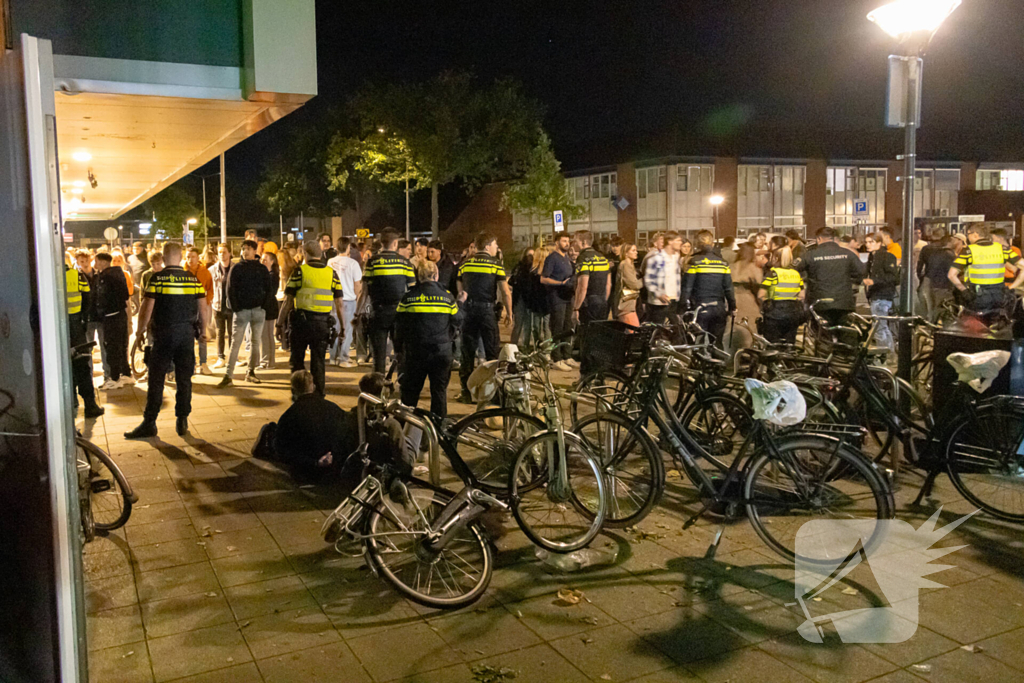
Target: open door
42	623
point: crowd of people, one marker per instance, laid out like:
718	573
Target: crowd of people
436	313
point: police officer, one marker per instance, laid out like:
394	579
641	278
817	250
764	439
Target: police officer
985	263
425	324
478	281
831	272
176	302
386	278
593	282
782	311
77	286
312	291
708	283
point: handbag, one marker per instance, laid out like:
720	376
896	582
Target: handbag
628	294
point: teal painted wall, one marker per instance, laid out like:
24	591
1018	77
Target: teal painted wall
205	32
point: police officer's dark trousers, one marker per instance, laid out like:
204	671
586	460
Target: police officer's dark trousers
781	320
594	309
173	346
480	324
712	320
81	368
988	299
420	363
312	331
382	325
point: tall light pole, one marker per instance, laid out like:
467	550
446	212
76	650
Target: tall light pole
716	201
912	23
223	204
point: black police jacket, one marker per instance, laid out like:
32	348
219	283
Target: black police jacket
830	273
708	280
427	315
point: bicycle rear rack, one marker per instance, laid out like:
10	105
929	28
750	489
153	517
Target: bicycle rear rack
843	432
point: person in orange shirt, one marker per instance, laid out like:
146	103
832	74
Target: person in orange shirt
193	265
1000	236
891	246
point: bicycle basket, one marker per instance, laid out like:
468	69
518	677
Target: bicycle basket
610	344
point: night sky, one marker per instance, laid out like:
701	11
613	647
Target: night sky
631	80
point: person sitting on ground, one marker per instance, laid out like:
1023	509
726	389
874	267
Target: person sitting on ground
314	436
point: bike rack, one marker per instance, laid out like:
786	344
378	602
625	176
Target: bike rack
405	414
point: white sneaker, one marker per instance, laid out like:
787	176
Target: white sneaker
242	361
126	381
204	369
571	362
346	364
221	363
562	366
110	385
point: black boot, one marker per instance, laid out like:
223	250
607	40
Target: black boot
143	431
94	410
181	426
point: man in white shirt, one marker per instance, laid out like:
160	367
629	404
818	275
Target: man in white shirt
663	281
350	275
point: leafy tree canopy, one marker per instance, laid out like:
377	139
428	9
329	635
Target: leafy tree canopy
542	189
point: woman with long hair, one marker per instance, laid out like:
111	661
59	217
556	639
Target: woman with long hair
537	297
746	281
626	290
519	281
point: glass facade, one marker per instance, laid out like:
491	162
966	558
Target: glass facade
770	198
1007	180
843	185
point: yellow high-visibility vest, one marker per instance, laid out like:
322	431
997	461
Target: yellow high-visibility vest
784	284
987	264
74	291
316	294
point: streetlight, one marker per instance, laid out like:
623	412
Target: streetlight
912	23
716	201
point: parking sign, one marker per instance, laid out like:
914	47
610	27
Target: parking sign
860	208
559	222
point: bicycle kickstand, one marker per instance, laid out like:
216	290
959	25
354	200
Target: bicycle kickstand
926	487
713	548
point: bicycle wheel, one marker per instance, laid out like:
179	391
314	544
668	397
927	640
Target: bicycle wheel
606	388
719	423
815	478
488	441
453	577
633	468
985	460
109	493
559	517
138	360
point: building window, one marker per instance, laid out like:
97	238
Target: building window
1008	180
771	197
682	176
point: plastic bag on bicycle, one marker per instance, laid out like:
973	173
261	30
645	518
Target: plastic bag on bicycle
780	403
979	370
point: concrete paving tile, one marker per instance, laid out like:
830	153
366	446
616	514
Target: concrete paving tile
106	564
749	665
180	529
239	542
124	664
196	652
953	612
613	651
551	619
675	675
625	598
278	508
924	644
475	635
960	666
280	633
316	556
112	540
686	636
304	531
175	582
114	591
219	523
113	627
403	651
460	673
1007	647
152	513
235	570
755	620
539	663
268	597
830	661
187	613
324	664
169	554
243	673
369	607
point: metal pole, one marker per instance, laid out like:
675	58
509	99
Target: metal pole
407	233
909	171
223	204
204	211
280	217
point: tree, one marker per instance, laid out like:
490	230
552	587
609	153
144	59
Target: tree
542	190
171	209
297	180
436	133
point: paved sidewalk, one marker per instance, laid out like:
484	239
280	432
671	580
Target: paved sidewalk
221	576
